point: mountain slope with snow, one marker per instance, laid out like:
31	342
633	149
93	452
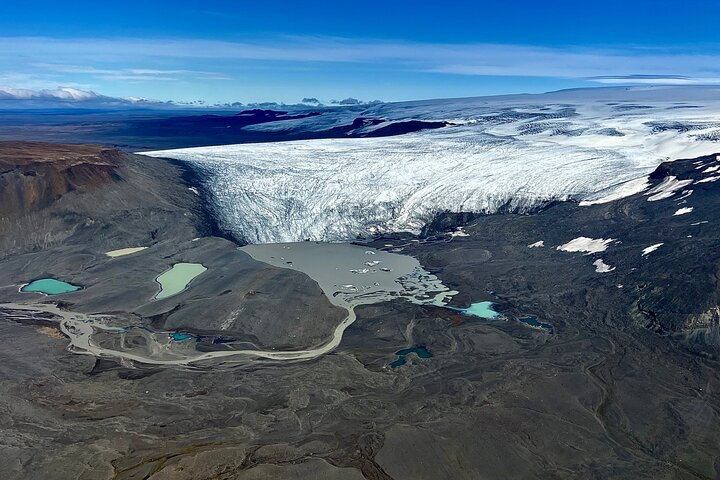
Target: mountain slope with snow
500	153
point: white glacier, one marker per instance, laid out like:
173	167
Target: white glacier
504	153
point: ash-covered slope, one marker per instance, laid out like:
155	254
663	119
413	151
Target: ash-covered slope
510	153
30	180
53	195
63	207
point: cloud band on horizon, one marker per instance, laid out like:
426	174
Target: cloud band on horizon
44	62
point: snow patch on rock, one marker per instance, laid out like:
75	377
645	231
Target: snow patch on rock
459	232
586	245
626	189
683	211
666	188
602	267
651	248
714	178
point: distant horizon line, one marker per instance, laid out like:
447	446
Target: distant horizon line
69	97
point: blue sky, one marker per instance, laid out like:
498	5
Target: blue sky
248	51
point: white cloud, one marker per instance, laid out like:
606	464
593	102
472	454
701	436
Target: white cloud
129	73
180	67
617	65
64	93
17	93
656	80
69	94
64	96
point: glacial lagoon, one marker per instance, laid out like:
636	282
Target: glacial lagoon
49	286
352	275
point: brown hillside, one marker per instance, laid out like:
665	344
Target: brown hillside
33	175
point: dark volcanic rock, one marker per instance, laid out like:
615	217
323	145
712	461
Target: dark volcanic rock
665	289
625	386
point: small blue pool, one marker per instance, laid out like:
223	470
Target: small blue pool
179	337
420	351
535	323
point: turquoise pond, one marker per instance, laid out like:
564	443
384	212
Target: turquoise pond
480	309
534	322
179	337
49	286
421	352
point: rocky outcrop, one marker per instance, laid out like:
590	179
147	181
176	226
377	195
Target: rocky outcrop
35	175
51	192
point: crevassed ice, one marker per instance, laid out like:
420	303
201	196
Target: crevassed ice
509	154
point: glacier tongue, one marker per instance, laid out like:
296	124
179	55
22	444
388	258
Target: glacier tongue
502	154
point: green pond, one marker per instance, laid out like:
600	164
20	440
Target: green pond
178	278
49	286
480	309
